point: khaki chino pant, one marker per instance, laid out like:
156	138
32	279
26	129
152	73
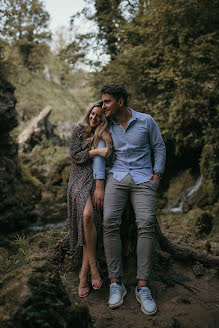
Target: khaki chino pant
143	201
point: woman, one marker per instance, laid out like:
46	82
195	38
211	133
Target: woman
85	220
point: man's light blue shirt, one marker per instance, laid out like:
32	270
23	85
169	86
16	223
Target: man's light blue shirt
133	147
99	163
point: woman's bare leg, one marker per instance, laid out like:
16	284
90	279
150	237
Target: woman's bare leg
84	269
90	234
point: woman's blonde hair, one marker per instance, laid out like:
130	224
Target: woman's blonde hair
93	135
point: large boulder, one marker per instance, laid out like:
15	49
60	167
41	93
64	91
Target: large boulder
19	192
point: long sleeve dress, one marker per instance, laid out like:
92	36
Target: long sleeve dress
81	184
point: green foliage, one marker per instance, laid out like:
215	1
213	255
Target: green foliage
4	67
24	20
21	243
67	48
21	247
167	58
25	24
45	309
10	59
168	62
109	19
67	92
72	53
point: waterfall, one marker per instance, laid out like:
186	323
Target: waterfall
177	204
195	187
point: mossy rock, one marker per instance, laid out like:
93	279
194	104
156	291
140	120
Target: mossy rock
8	171
58	179
200	221
32	293
59	174
8	115
18	204
35	297
209	165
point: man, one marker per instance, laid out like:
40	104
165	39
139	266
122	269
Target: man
134	135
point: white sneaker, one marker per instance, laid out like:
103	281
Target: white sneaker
143	296
117	293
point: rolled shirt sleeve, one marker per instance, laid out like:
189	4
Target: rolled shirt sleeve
99	164
158	146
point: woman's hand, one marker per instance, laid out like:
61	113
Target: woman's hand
103	152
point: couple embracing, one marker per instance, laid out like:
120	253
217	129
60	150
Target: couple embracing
112	129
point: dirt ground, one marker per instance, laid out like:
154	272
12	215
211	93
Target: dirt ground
187	296
186	293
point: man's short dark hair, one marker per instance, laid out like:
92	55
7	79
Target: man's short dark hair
117	91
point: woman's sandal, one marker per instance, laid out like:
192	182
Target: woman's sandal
83	291
96	283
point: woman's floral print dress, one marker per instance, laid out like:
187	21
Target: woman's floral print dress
81	185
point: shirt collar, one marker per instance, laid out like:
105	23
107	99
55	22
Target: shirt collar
133	118
134	114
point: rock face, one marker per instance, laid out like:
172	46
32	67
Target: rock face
18	192
8	115
32	293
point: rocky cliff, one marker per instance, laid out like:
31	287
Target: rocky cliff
18	190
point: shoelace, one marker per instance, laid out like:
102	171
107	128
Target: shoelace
145	295
114	289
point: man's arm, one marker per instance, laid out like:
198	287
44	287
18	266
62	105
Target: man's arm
99	194
159	149
99	176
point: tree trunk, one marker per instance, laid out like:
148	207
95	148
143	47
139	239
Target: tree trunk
179	252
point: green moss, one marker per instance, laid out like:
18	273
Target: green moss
46	306
32	293
9	173
46	153
28	177
209	165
